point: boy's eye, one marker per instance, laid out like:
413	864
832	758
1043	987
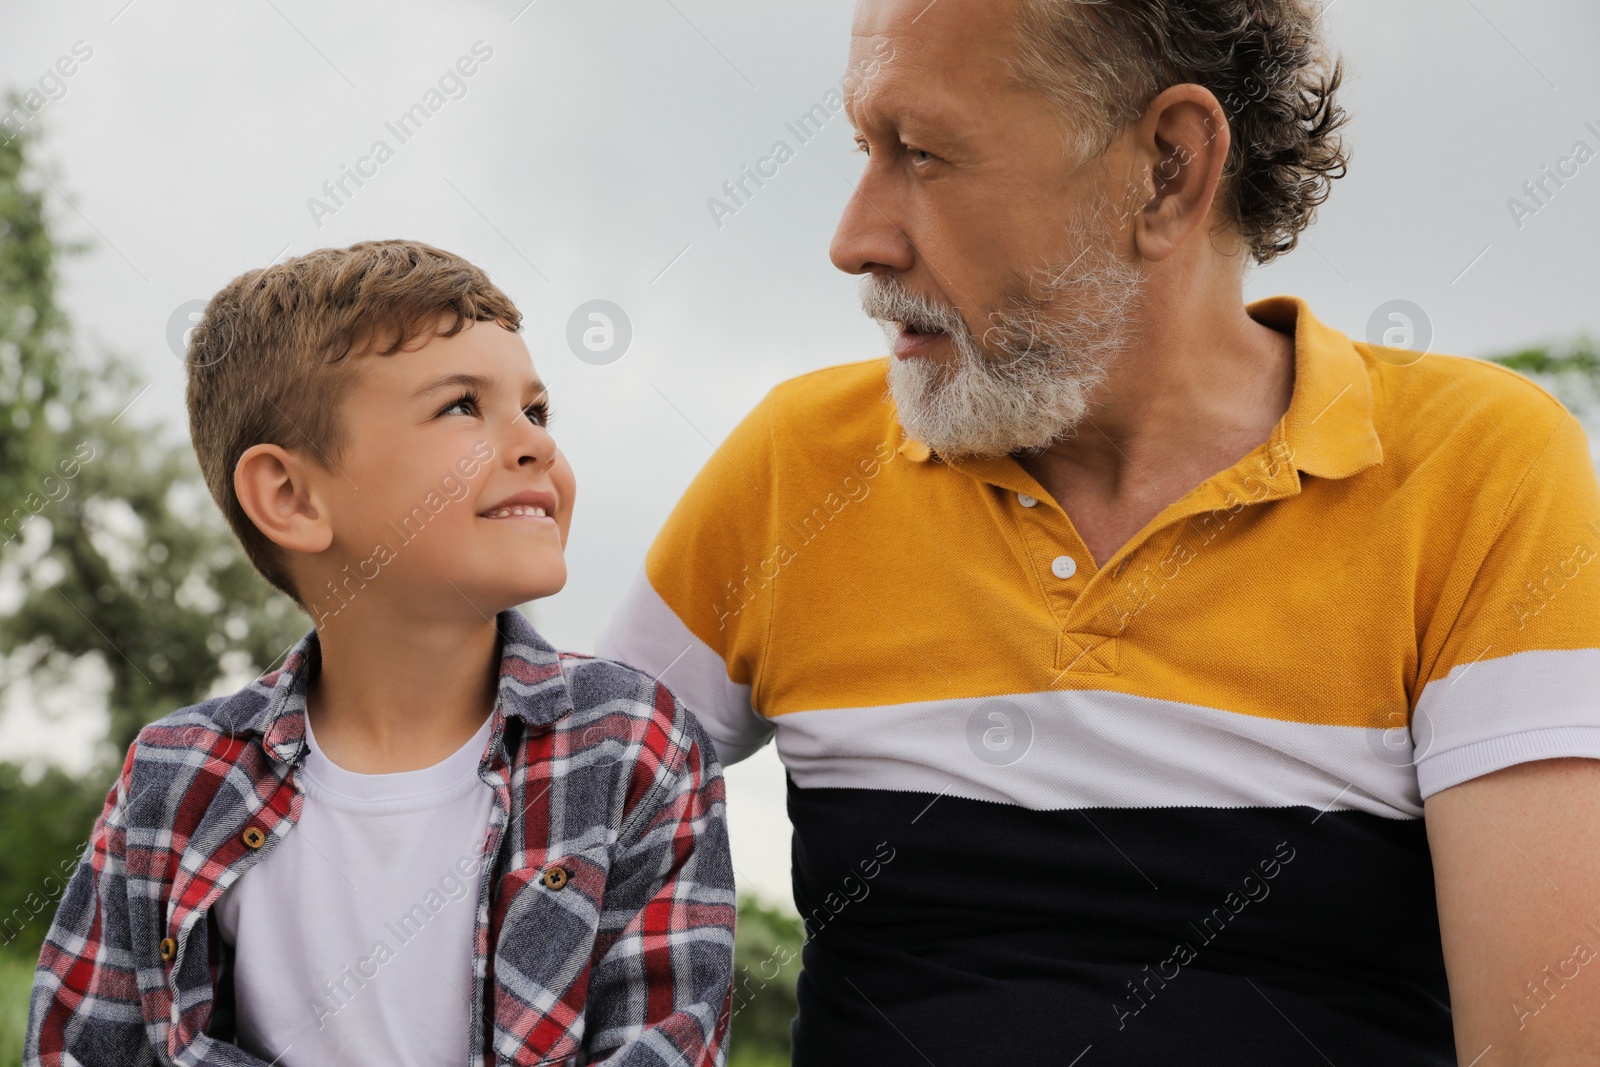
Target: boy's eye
539	413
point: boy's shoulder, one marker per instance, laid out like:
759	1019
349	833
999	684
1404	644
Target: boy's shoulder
226	715
612	700
611	703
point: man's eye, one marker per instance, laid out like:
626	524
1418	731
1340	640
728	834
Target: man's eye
920	156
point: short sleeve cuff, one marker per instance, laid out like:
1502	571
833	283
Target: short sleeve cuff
1441	771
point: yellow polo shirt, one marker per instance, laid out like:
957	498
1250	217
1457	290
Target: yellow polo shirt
1394	594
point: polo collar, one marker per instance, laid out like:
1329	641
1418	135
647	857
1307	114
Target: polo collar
1328	429
532	687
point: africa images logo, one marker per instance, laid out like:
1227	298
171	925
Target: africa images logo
451	85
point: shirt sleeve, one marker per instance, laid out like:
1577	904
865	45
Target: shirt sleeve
85	1006
697	613
662	985
1515	674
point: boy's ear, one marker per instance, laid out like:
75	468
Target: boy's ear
275	490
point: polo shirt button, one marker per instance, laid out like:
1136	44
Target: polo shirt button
254	838
1064	567
1027	501
169	949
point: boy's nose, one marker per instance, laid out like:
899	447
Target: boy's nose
534	446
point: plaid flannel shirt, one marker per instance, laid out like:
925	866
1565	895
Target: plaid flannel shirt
596	768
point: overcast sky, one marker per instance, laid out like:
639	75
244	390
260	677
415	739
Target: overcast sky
576	163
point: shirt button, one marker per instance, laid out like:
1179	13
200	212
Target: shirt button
555	877
169	949
1064	567
254	838
1027	501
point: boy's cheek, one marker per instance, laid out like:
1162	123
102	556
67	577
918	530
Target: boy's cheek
566	483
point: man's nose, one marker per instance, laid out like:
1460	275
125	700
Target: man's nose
868	237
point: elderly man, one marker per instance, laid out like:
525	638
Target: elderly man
1159	679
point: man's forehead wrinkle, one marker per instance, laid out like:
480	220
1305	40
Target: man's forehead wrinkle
916	86
871	101
857	37
869	57
924	109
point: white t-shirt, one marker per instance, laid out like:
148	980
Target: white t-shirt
354	936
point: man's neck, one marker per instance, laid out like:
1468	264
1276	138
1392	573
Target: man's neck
1193	396
1186	387
395	694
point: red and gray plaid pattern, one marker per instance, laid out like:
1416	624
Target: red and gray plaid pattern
596	768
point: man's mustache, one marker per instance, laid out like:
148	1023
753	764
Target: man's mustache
889	301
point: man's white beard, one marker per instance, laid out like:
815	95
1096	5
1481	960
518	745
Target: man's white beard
1053	342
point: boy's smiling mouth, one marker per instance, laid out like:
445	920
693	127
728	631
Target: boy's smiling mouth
535	504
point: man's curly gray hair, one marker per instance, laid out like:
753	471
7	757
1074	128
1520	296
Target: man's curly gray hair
1102	61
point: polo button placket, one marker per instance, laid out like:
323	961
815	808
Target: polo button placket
1088	641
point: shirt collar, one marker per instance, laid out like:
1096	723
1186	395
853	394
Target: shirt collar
1328	429
532	688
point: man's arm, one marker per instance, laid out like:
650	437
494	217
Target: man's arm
697	613
1507	728
663	981
86	1007
645	632
1516	856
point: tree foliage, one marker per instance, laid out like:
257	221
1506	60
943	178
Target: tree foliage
766	966
111	552
1570	371
112	556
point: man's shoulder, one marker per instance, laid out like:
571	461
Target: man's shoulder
843	402
1439	400
859	378
796	441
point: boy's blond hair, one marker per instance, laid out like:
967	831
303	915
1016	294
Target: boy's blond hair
270	360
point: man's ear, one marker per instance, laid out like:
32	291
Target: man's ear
275	490
1179	155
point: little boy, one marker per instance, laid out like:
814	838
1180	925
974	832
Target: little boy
430	838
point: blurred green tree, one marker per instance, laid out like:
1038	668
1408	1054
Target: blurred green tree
111	552
111	556
1570	370
1578	359
766	965
33	332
